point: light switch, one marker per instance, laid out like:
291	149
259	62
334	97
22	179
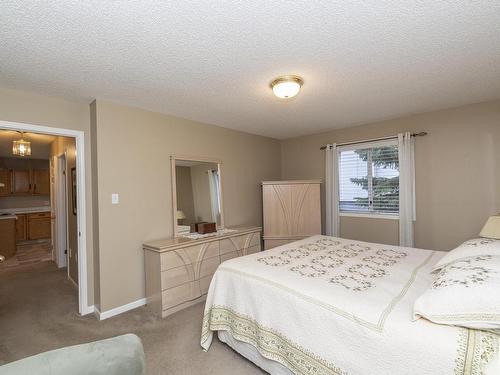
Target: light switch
115	198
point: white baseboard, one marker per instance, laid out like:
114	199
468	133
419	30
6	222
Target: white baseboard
89	310
120	309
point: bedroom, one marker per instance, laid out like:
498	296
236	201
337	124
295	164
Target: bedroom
135	110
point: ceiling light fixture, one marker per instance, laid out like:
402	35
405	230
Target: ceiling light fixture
286	87
21	147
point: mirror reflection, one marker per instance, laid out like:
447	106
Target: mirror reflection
198	194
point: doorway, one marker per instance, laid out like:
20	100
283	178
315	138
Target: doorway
76	206
60	212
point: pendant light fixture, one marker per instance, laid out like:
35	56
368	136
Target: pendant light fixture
286	87
21	147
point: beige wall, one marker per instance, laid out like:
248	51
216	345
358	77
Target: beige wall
67	146
18	106
133	149
457	167
184	190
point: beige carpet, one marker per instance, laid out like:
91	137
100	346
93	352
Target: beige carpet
38	312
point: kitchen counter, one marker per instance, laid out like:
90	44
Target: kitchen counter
24	210
9	216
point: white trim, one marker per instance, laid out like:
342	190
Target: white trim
61	211
361	146
371	216
79	135
119	310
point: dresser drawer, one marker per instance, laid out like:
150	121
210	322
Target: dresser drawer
171	259
176	276
188	255
235	254
238	242
180	294
189	272
227	246
230	255
208	267
255	240
205	284
254	249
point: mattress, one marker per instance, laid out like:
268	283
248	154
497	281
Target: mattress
325	305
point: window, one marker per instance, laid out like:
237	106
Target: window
369	178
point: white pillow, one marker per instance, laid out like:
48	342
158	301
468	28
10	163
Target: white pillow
474	247
465	293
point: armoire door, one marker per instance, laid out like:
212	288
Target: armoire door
292	209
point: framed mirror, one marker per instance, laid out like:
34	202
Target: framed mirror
196	193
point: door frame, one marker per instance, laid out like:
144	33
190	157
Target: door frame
83	306
61	203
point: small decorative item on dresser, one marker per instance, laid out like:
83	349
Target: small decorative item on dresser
204	228
194	226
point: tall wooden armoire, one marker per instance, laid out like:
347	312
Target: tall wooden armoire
292	211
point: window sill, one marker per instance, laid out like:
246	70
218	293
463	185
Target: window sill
370	216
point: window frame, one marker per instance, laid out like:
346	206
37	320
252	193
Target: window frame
362	146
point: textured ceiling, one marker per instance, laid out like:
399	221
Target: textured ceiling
212	61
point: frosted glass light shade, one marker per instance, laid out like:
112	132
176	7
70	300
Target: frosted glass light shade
21	148
492	228
287	86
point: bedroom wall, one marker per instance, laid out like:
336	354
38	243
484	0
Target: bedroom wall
19	106
184	190
457	167
133	147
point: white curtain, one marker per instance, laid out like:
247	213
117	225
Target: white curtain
213	180
332	191
406	149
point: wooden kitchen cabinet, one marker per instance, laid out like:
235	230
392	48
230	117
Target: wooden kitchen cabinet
41	182
21	227
7	237
29	181
39	226
21	182
5	182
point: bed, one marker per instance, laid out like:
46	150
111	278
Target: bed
326	305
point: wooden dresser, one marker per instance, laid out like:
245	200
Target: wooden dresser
179	270
292	211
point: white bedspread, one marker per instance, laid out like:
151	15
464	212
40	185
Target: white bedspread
327	305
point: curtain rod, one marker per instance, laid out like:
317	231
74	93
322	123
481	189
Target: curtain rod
421	134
